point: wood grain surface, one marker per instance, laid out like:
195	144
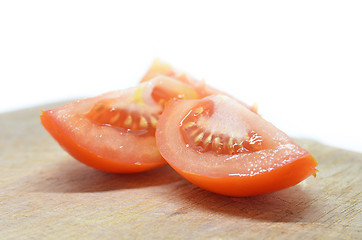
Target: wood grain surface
46	194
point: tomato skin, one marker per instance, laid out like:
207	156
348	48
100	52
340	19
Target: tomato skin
288	171
280	178
84	155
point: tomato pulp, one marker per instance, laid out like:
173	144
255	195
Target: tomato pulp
114	132
221	146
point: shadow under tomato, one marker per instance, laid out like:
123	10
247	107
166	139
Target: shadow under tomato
288	205
71	176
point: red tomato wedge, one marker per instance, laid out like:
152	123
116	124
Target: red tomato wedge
220	145
159	68
114	132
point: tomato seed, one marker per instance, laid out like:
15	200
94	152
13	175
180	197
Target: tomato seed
208	139
188	125
143	122
198	111
154	121
128	121
115	118
199	137
99	106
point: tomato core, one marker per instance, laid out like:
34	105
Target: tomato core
199	135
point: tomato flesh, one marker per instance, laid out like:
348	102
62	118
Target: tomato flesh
114	132
225	144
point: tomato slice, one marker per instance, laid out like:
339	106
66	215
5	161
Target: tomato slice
114	132
159	68
222	146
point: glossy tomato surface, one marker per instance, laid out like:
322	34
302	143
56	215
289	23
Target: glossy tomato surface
114	132
222	146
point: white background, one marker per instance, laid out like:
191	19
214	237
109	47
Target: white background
301	61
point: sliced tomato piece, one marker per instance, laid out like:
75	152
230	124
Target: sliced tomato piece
159	68
220	145
114	132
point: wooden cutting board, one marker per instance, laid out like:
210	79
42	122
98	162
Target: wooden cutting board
46	194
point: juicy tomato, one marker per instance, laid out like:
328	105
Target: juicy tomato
159	68
220	145
114	132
